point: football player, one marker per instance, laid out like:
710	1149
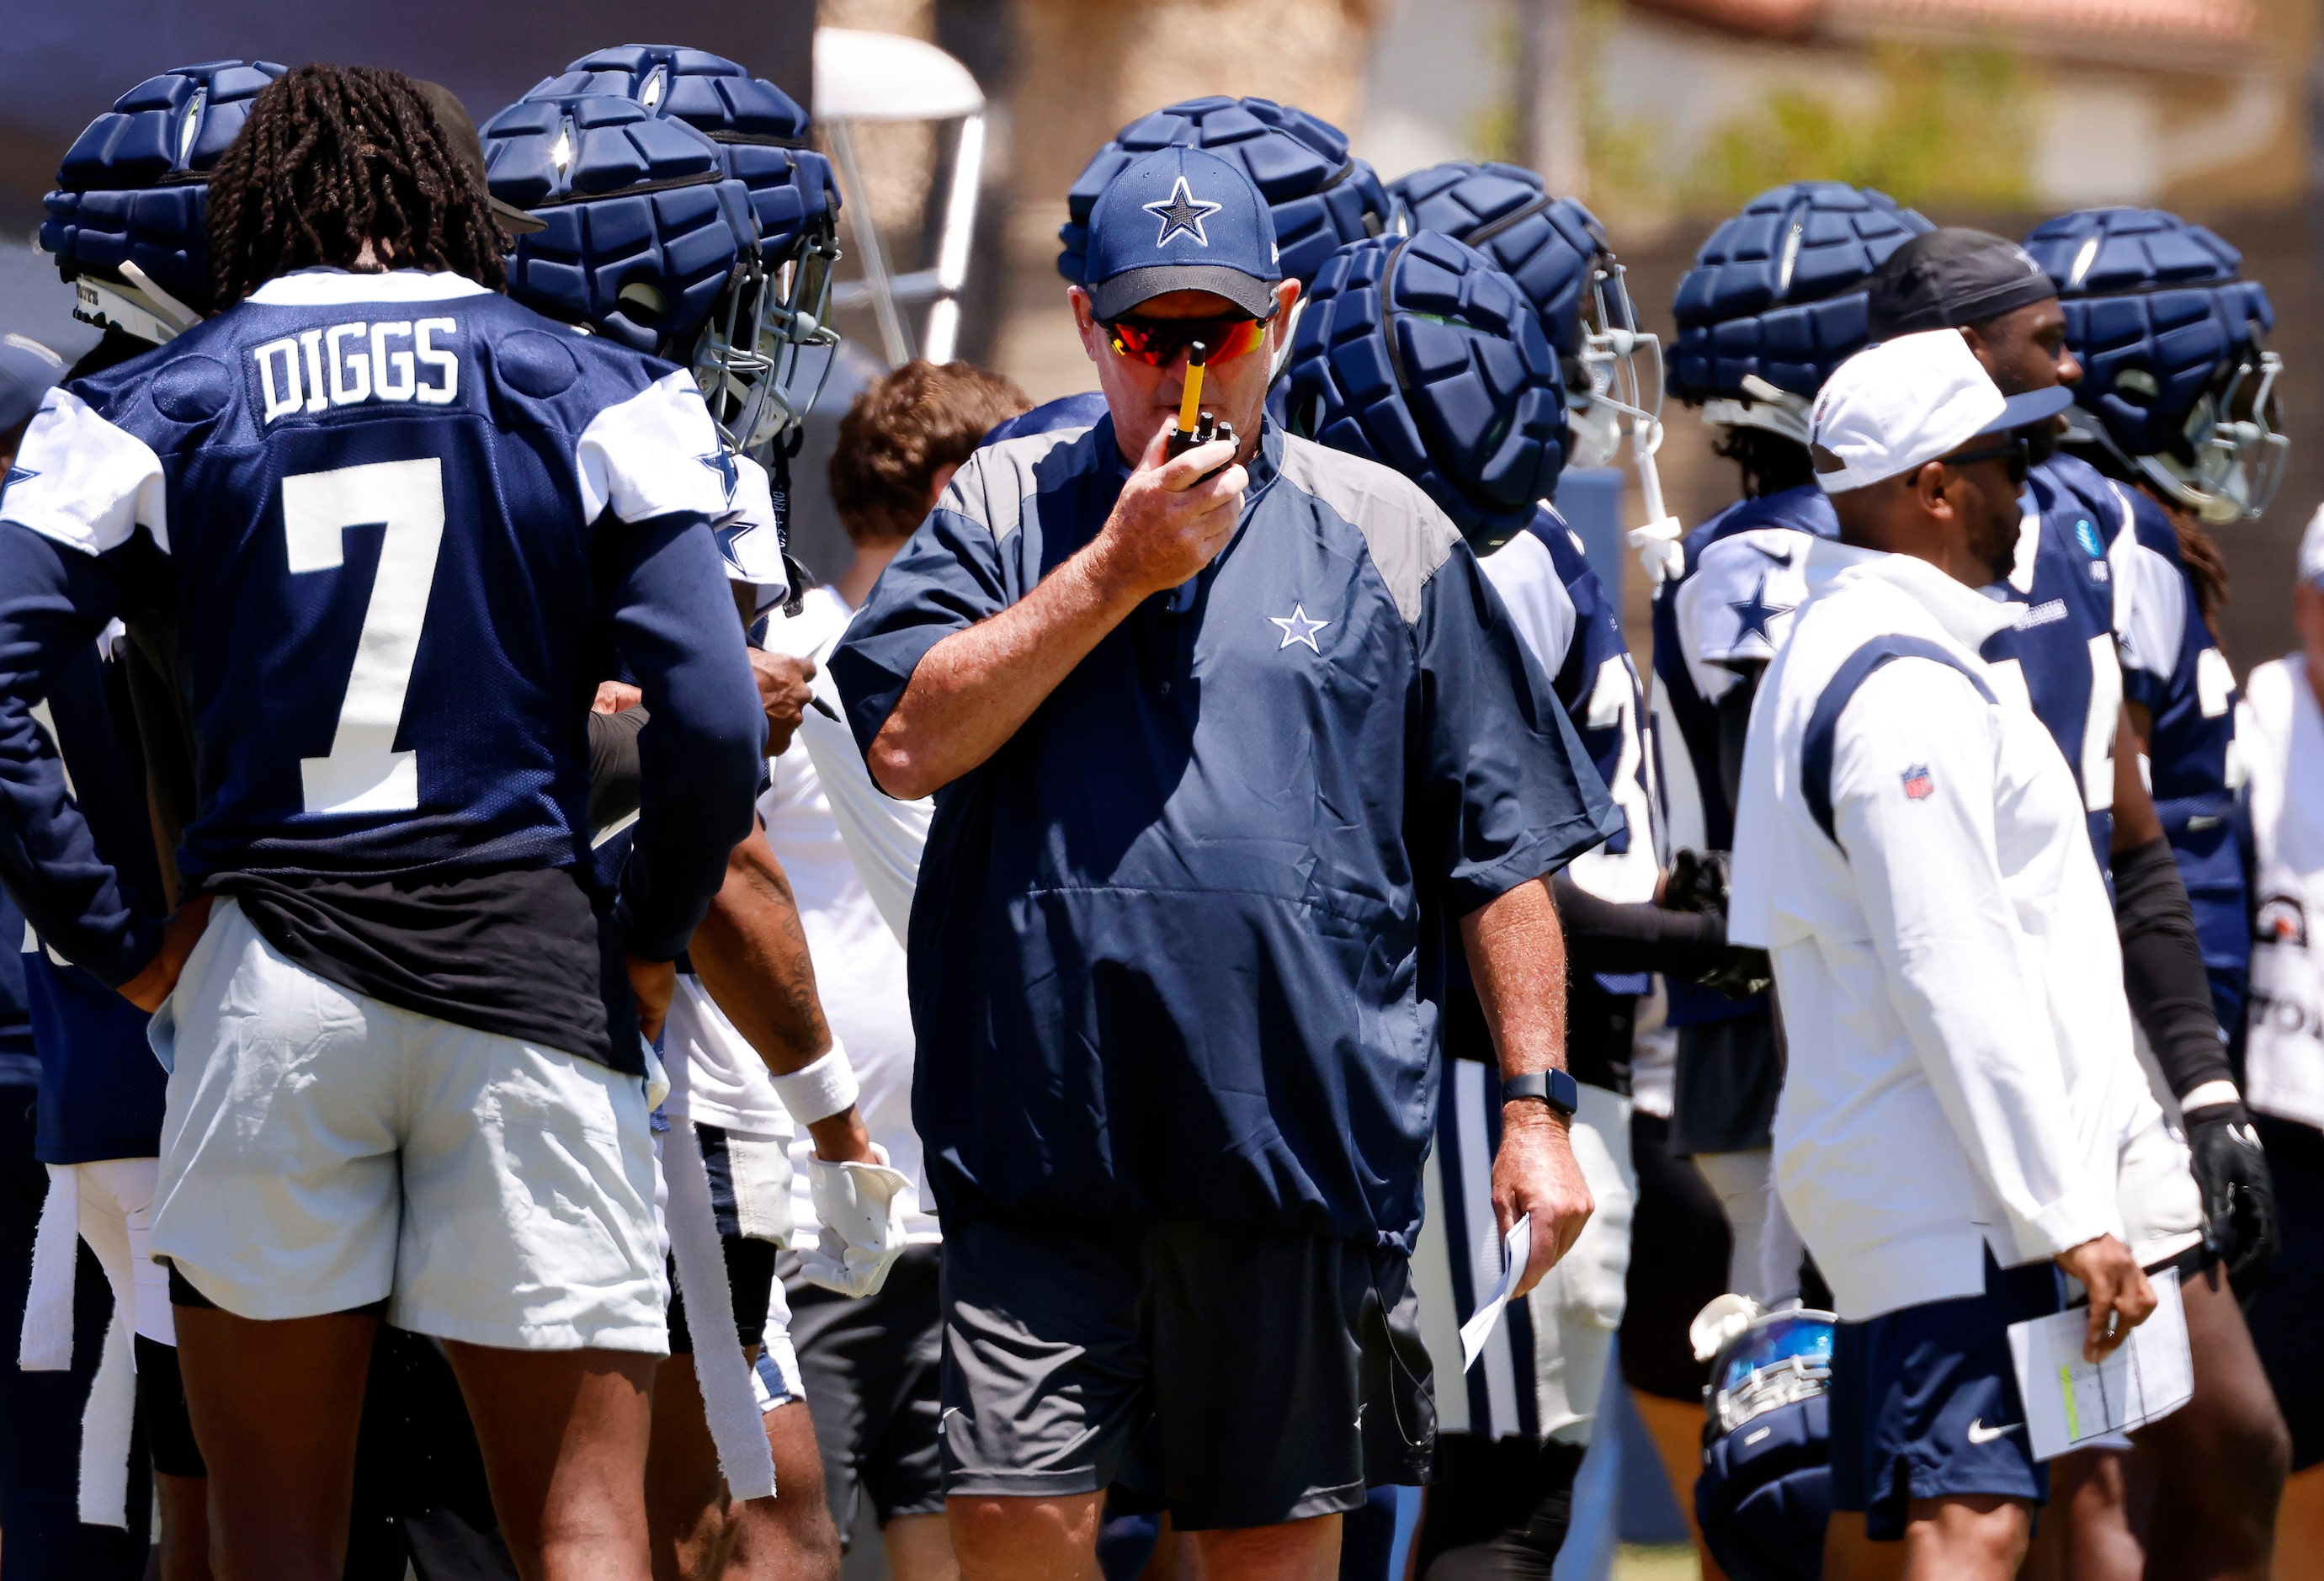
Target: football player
2220	1460
402	524
732	284
1515	1432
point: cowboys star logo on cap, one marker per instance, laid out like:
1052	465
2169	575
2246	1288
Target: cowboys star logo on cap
1182	213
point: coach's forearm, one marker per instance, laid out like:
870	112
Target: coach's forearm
1516	957
971	692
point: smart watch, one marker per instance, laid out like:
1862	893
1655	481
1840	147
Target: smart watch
1560	1091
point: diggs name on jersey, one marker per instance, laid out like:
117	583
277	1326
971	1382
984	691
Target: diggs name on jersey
344	365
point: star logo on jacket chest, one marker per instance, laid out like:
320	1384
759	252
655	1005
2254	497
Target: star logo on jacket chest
1297	627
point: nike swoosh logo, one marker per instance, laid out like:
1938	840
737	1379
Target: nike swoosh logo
1783	560
1979	1433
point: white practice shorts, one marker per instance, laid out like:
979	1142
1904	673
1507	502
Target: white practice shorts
322	1150
116	1218
2161	1207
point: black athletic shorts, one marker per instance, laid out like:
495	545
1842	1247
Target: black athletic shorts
1235	1376
1724	1089
1679	1244
871	1370
2282	1316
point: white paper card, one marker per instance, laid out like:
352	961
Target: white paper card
1517	1246
2069	1402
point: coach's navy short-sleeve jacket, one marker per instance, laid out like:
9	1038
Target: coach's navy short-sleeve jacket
1171	949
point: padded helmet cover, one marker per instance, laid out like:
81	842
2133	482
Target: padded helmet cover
1417	352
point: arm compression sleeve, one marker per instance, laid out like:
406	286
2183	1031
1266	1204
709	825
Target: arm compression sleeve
2163	967
1605	936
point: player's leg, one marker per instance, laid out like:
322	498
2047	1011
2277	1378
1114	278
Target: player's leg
276	1202
2282	1319
564	1435
528	1244
789	1537
690	1523
1039	1539
1969	1538
2299	1527
1293	1550
2220	1460
276	1404
920	1548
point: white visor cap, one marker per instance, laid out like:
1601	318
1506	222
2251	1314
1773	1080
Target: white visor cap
1905	403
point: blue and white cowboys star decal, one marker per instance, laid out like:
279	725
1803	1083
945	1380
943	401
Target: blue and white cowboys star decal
1182	213
728	535
722	464
1757	612
1298	628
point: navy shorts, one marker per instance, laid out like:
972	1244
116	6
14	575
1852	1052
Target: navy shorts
1925	1402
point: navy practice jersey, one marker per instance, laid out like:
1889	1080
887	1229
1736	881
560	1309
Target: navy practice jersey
2173	668
101	1088
2061	655
406	525
1724	616
19	1065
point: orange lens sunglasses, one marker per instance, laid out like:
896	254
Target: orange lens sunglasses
1160	342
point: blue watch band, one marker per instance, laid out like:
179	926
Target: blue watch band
1560	1091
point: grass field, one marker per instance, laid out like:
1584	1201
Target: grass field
1637	1562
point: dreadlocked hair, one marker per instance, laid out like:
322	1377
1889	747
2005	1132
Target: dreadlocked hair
346	166
1769	463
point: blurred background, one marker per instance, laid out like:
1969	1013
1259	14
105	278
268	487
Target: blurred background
1663	114
958	124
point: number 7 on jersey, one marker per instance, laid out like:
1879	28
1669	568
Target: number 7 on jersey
364	773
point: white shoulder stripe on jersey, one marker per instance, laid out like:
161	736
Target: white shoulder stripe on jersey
1523	573
328	287
655	454
84	482
2150	609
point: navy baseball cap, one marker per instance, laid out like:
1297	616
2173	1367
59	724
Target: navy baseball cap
1181	219
27	369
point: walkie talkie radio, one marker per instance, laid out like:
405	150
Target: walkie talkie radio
1196	427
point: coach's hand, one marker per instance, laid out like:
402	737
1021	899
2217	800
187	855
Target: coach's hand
1536	1173
179	934
783	693
653	984
2120	1297
1170	522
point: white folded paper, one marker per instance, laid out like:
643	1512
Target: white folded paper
2070	1401
1517	1246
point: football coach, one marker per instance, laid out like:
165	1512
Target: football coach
1227	748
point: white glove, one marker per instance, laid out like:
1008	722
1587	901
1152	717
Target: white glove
860	1209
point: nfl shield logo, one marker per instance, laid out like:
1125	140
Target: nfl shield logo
1917	783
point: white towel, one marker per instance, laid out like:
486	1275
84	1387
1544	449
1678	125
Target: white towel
729	1403
46	1342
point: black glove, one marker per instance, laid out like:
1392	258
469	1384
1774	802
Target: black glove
1698	883
2239	1223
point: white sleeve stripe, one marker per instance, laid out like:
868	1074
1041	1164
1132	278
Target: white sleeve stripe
1523	573
84	482
652	454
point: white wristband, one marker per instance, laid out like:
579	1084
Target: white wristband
2213	1092
820	1090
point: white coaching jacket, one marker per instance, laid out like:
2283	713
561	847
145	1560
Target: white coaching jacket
1911	851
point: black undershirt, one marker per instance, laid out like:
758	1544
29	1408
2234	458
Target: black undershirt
516	951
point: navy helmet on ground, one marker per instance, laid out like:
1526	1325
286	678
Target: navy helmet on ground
1322	197
127	223
1559	256
1775	301
1416	352
683	218
1764	1495
2177	388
